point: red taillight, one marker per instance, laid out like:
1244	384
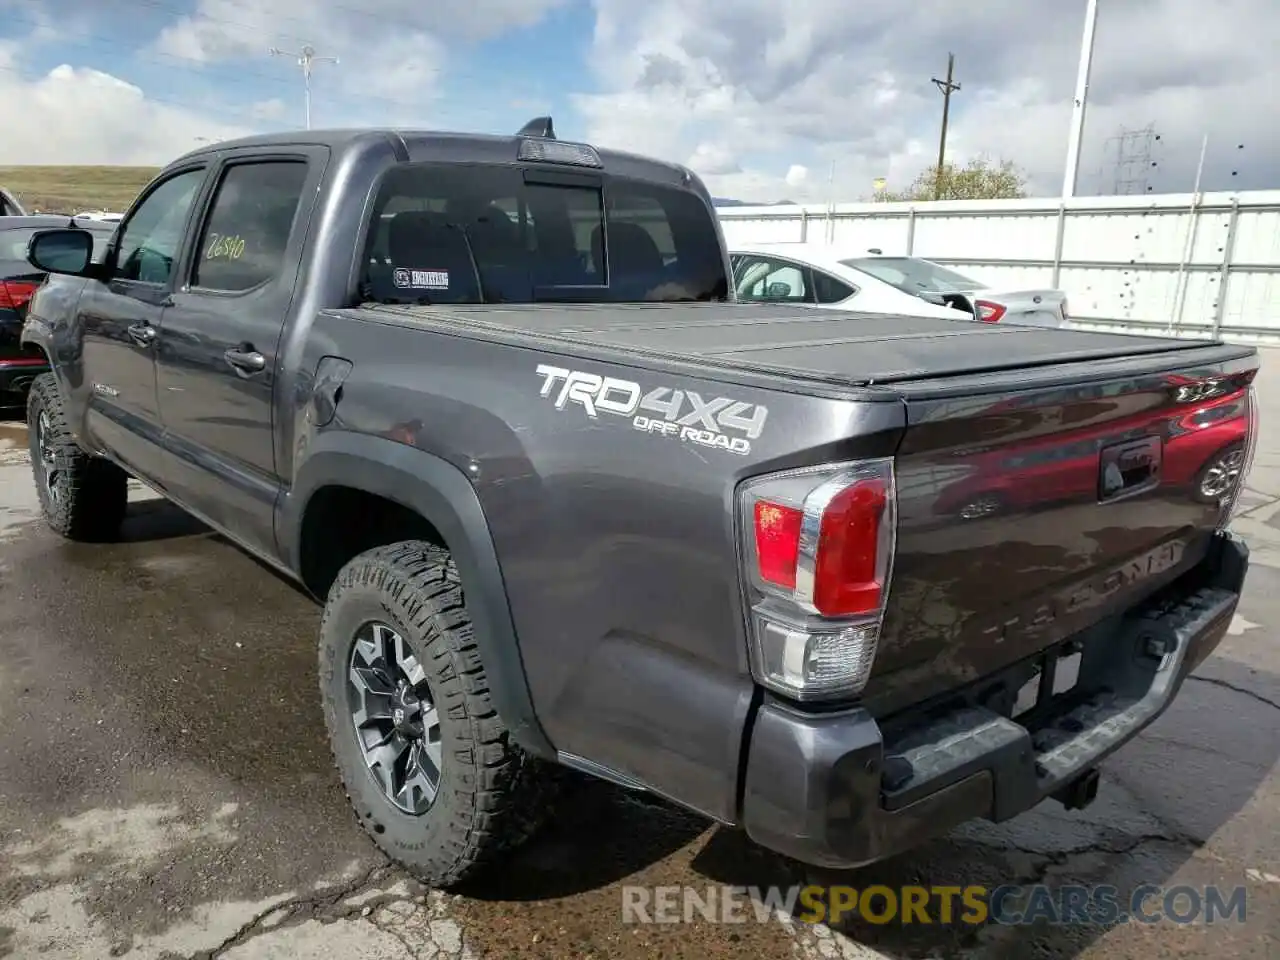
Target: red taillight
819	546
845	580
778	542
16	293
988	311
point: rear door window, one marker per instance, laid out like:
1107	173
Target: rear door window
481	233
243	242
827	289
766	280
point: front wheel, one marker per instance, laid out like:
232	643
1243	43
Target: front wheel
83	497
428	765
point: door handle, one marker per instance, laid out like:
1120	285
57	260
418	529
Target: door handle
247	360
142	334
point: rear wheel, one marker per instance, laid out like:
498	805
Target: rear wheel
83	497
428	765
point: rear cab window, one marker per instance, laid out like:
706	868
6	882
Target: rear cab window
479	233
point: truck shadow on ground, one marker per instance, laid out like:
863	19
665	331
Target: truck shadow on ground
158	519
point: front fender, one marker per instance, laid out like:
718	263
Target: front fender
441	494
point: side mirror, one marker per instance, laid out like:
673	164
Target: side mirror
61	251
778	291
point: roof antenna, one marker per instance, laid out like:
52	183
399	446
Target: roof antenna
538	127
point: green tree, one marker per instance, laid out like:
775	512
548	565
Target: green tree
979	179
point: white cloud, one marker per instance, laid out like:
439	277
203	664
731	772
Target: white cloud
797	175
392	60
713	159
273	109
758	97
394	51
90	117
768	84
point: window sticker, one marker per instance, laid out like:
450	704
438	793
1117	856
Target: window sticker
407	279
223	247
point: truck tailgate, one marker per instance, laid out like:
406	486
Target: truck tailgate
1028	513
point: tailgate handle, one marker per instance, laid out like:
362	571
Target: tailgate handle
1126	469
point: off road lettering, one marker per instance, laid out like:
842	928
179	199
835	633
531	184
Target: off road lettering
718	422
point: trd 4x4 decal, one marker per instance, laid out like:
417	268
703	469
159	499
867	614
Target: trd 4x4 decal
720	422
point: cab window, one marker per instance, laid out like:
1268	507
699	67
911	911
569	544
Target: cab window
247	230
446	233
151	237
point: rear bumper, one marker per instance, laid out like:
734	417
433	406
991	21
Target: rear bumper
16	376
834	791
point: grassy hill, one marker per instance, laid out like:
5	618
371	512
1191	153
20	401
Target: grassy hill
72	189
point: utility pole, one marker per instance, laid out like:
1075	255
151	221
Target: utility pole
1072	172
947	87
306	57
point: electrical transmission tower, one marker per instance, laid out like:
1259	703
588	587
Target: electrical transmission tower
1131	152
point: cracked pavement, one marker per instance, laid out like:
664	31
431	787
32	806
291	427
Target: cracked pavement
166	791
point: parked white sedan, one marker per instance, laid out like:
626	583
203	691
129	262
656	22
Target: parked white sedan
875	283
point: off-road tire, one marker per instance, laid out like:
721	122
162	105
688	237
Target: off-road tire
92	493
492	796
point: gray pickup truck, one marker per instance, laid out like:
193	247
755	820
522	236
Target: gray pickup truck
843	580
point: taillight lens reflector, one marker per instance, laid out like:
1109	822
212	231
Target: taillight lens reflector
777	542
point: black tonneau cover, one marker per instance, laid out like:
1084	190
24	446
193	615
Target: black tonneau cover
855	349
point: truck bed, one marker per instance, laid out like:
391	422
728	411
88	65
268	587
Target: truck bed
803	343
1005	544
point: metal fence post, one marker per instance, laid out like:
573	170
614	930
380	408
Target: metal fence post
911	231
1224	272
804	225
1057	245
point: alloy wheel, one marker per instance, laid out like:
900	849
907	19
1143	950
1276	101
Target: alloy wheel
48	457
396	722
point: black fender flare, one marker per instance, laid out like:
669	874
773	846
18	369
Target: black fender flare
442	495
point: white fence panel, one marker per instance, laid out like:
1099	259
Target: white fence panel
1156	262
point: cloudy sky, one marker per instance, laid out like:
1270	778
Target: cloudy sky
761	98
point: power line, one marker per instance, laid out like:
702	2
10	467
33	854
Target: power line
307	58
947	87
